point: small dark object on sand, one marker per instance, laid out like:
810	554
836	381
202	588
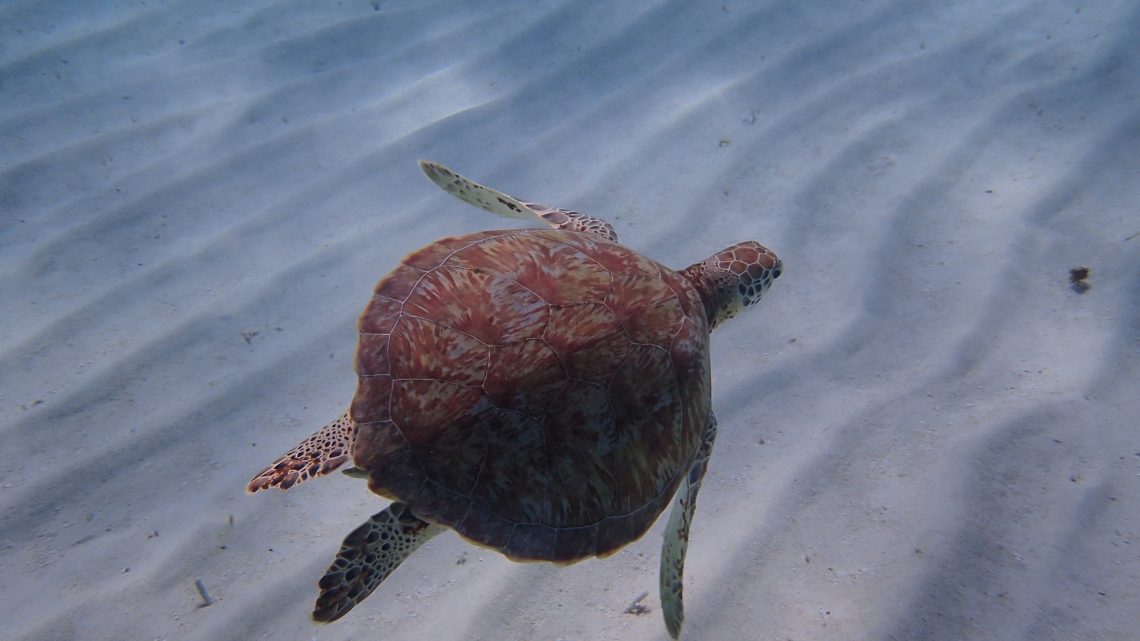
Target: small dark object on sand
1078	276
635	607
206	600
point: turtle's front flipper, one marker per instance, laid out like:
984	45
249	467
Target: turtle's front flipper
317	455
677	536
502	204
367	557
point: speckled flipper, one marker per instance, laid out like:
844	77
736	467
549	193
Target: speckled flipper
499	203
677	536
317	455
367	557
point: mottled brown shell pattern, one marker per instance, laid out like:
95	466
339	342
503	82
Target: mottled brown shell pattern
541	392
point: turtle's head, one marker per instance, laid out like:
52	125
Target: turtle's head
733	278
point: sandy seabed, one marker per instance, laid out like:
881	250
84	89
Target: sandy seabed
926	432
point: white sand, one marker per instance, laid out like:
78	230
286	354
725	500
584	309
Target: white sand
925	432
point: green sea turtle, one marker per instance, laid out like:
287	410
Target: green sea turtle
542	392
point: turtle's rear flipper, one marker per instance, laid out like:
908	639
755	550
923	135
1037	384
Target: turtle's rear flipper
317	455
367	557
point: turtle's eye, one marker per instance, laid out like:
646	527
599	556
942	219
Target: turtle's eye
776	271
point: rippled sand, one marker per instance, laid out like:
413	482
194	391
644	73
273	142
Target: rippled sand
925	432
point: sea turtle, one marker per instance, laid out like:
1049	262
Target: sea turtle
542	392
